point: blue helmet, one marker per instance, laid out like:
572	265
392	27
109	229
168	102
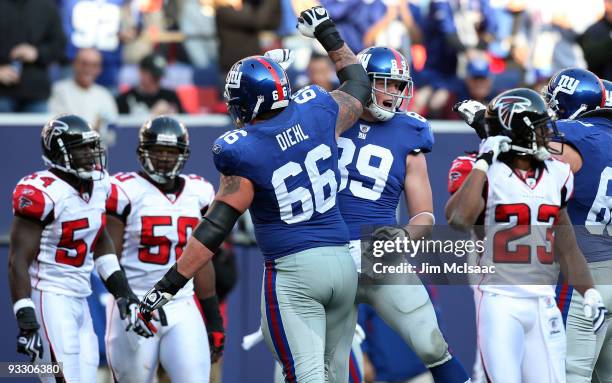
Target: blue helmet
384	64
608	86
255	85
573	91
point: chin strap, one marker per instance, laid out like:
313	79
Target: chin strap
582	108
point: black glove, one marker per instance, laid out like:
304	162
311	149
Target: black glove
128	312
214	327
315	22
28	340
160	294
473	113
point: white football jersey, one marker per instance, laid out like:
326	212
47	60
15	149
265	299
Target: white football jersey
519	215
72	222
157	225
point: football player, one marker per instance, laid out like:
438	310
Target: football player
520	331
58	236
382	154
282	164
577	96
150	217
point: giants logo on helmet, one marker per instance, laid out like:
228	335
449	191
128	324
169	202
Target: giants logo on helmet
567	85
364	59
233	78
507	106
52	129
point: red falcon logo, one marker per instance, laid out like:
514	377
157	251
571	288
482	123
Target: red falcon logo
507	106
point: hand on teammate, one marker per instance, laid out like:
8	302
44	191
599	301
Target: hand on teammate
313	20
28	340
594	309
128	312
151	301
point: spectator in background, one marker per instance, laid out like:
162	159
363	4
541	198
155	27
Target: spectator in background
81	95
100	24
321	72
238	26
148	97
597	44
438	79
31	38
478	83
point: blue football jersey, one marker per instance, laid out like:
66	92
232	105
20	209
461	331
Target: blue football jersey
292	161
95	24
373	168
591	206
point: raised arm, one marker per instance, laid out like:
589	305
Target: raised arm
354	92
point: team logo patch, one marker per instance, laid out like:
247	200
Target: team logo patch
567	85
508	106
52	129
217	148
454	176
25	202
233	79
363	131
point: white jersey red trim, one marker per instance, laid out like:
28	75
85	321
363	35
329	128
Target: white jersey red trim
72	221
157	225
518	219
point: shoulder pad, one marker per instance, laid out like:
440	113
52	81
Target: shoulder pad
423	134
601	112
204	189
226	151
30	201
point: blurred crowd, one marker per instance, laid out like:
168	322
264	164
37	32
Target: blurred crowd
102	58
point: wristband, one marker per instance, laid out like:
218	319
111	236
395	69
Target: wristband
106	265
23	302
482	165
328	36
172	281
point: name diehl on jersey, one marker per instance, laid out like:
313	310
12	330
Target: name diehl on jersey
293	135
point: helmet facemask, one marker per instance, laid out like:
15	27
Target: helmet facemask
541	133
394	89
86	159
163	163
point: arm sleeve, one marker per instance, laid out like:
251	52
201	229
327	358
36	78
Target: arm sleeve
118	204
32	203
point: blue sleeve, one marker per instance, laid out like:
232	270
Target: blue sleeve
226	156
420	136
574	133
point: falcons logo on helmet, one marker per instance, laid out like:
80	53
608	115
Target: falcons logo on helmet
24	202
52	129
507	106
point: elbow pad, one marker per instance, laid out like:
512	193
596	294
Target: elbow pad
216	225
355	81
